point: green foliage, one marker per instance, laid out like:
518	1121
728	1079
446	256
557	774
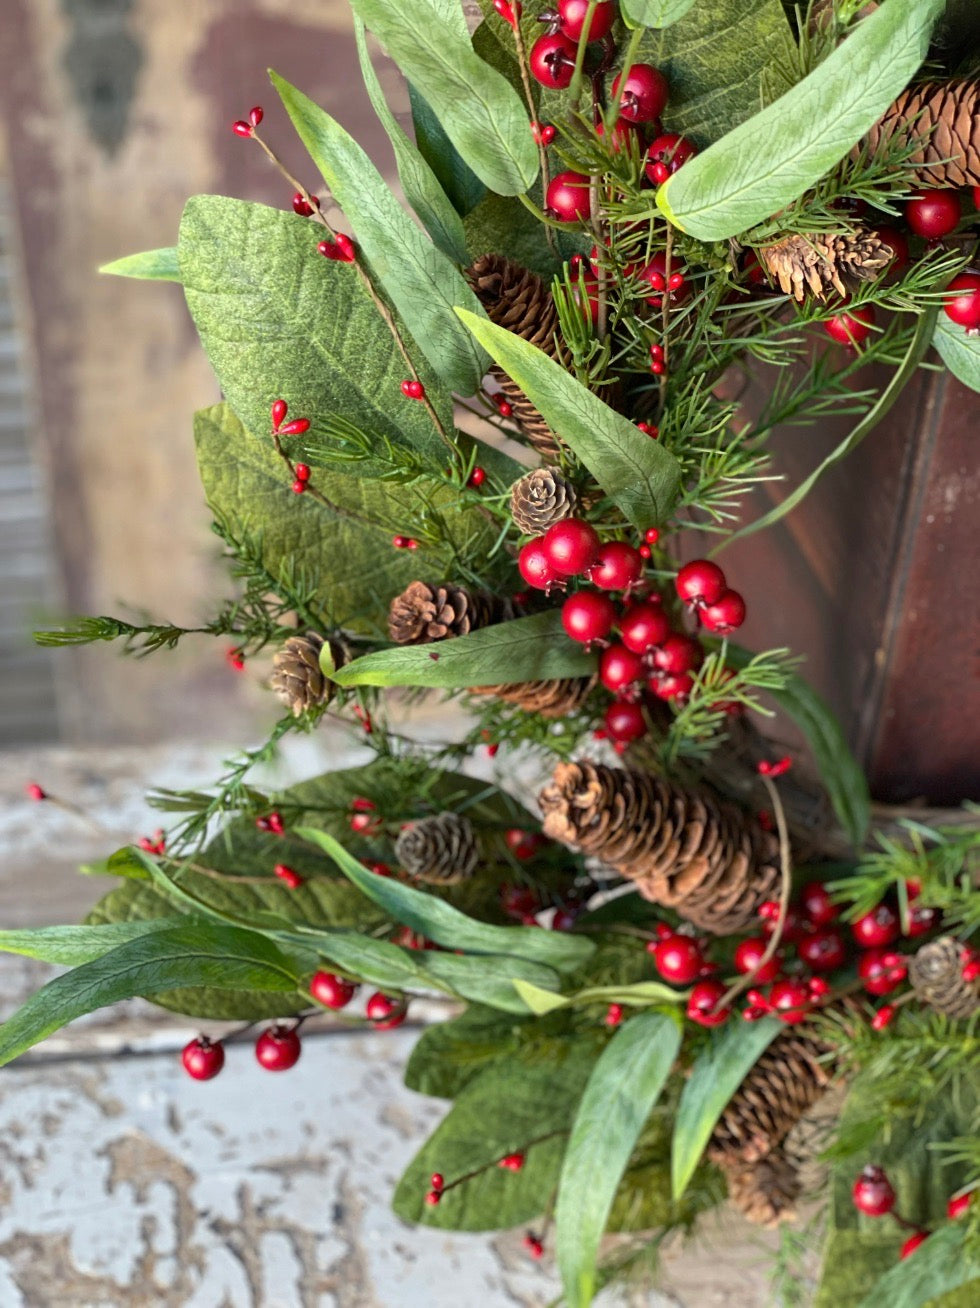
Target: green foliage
945	1263
148	266
455	176
72	945
655	13
959	352
771	159
638	994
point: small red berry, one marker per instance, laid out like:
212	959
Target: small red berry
384	1012
332	991
971	970
614	1015
726	614
524	845
655	275
853	327
572	14
255	115
512	1162
36	792
877	928
643	627
643	93
645	552
571	546
292	879
958	1205
433	1197
747	957
279	410
477	477
648	428
700	582
519	901
278	1049
241	128
298	486
789	1001
412	389
625	721
651	535
671	685
817	904
912	1243
618	566
703	1002
301	205
678	654
962	304
921	920
535	565
666	154
302	471
437	1180
567	196
534	1246
543	133
824	950
203	1059
400	542
884	1017
295	428
678	959
882	971
619	668
588	616
552	61
933	214
872	1192
275	823
345	247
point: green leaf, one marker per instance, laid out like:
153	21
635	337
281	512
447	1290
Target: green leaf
942	1264
641	992
450	1054
189	956
482	114
455	176
716	1075
639	474
420	184
772	158
422	283
446	925
959	352
655	13
840	772
71	945
526	649
501	222
625	1084
149	266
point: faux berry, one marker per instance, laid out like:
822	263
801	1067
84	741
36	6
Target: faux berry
625	721
877	928
884	1017
588	616
413	390
726	614
671	685
509	10
643	93
571	546
533	1245
301	205
618	566
524	845
35	792
278	413
619	668
933	214
572	14
477	477
278	1049
384	1012
666	154
872	1192
332	991
700	582
817	904
543	133
437	1180
255	115
851	328
302	472
747	957
535	565
824	950
511	1162
203	1059
882	971
673	284
793	927
585	293
962	302
287	875
899	246
958	1205
678	654
298	427
789	1001
921	921
567	196
912	1243
703	1002
552	61
614	1015
299	486
241	128
433	1197
519	901
643	627
678	959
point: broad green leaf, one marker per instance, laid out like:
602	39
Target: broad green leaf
486	979
655	13
526	649
445	925
716	1075
71	945
419	182
421	282
148	266
772	158
448	1055
640	993
942	1264
625	1084
501	222
189	956
455	176
840	772
959	352
482	114
639	474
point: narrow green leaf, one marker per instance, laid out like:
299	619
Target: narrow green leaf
925	333
446	925
526	649
625	1084
716	1075
149	266
655	13
540	1001
959	352
72	945
640	993
419	182
942	1264
487	979
773	157
454	174
637	473
225	957
482	114
422	283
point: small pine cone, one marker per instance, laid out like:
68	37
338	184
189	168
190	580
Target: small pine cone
811	1135
686	850
441	850
764	1192
540	499
296	675
785	1083
936	974
424	613
819	261
943	119
552	699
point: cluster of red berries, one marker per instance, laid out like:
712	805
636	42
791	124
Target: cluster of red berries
340	249
874	1195
155	845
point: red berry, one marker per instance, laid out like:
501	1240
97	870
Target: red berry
824	950
585	293
332	991
552	61
298	486
644	626
962	305
851	328
477	477
524	845
400	542
666	154
789	1001
700	582
36	792
643	93
899	246
704	999
512	1162
519	901
588	616
921	920
882	971
295	428
413	390
572	15
678	959
437	1180
564	919
292	879
678	654
241	128
883	1017
671	685
747	957
877	928
203	1059
933	214
567	196
531	1243
275	823
345	246
625	721
645	552
655	275
817	904
302	471
872	1192
255	115
976	197
726	614
571	546
509	10
958	1205
651	535
301	205
278	1049
793	930
384	1012
619	668
543	133
912	1243
614	1015
617	567
619	139
535	565
279	410
433	1197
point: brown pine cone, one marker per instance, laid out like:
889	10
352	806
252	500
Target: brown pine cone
540	499
424	613
819	261
296	676
764	1192
944	118
686	850
552	699
441	849
811	1135
936	974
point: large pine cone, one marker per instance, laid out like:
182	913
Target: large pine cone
944	118
540	499
424	613
552	699
441	849
819	261
686	850
936	974
764	1192
296	675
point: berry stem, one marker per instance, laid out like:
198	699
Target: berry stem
529	97
313	492
598	228
76	811
478	1171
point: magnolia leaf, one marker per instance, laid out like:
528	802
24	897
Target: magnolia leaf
636	472
772	158
716	1075
625	1084
455	176
482	114
526	649
72	945
655	13
149	266
447	1056
959	351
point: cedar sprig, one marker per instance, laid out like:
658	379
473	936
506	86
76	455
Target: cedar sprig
297	592
347	446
